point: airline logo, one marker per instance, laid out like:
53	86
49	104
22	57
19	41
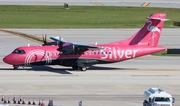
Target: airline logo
153	29
33	56
117	54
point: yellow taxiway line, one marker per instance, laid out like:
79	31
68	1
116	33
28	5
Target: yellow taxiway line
96	3
26	36
145	4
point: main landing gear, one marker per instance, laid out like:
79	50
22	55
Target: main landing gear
83	68
15	67
76	67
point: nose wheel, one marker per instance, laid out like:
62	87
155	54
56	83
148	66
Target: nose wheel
15	67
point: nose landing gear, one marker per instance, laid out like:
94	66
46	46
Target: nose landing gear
15	67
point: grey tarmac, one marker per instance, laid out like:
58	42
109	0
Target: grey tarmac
115	84
138	3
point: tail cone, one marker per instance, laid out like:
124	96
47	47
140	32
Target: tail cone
14	98
5	100
20	98
49	103
23	101
14	102
42	104
19	102
34	102
29	102
2	98
9	100
39	102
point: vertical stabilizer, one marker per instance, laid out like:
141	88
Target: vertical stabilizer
150	33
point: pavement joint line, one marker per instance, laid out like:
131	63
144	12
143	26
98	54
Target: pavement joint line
97	4
145	4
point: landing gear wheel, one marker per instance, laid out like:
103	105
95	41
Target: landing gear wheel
16	67
83	68
75	67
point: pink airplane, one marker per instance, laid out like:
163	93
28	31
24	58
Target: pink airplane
78	56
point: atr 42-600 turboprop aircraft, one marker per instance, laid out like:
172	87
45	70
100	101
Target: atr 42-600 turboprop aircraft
77	56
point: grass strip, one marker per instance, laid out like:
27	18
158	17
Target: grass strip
164	53
12	16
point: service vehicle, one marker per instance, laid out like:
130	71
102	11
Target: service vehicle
157	97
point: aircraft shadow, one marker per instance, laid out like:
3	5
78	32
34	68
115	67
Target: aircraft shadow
109	68
67	70
41	68
49	69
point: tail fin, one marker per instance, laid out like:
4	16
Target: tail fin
148	35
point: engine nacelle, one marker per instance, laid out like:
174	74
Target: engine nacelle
72	49
68	49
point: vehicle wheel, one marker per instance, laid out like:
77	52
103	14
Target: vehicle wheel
16	67
75	67
83	68
144	104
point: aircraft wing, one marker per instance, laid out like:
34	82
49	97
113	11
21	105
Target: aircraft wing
88	47
65	47
28	36
73	48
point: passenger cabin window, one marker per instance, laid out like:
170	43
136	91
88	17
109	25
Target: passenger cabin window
16	51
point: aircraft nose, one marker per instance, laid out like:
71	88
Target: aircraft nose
7	59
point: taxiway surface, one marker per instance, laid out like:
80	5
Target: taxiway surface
137	3
101	85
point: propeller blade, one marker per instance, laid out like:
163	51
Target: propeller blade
60	44
44	39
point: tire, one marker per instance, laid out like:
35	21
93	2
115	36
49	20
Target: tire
16	67
83	68
144	104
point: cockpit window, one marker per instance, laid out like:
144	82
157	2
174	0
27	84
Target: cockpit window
18	51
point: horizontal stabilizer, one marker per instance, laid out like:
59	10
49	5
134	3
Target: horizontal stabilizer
160	19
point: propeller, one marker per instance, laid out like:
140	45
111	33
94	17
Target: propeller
44	40
60	44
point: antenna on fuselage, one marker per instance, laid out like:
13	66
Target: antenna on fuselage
28	45
96	43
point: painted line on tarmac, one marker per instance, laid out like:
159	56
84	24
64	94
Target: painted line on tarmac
97	4
147	57
26	36
150	75
145	4
70	75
